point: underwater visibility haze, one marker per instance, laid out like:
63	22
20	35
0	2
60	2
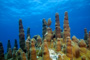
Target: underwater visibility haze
48	28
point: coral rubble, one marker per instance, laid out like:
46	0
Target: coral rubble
53	45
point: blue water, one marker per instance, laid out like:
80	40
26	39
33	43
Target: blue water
33	11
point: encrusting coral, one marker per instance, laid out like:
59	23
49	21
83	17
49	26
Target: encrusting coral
53	45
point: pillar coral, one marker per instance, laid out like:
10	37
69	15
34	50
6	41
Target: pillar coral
89	41
58	45
28	47
9	54
23	56
45	50
85	34
28	32
83	58
74	39
69	49
15	44
21	36
14	53
49	33
18	54
59	57
39	41
28	43
1	52
52	44
57	26
82	46
66	27
33	51
8	45
44	29
82	43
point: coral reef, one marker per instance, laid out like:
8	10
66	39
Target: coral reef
53	45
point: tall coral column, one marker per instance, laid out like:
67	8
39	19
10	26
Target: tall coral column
44	29
45	50
85	34
57	26
89	40
21	36
33	51
1	52
49	33
28	32
69	49
66	27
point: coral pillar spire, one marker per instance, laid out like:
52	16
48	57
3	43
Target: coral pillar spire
28	32
8	45
1	52
21	36
44	29
69	49
66	27
57	26
33	51
85	34
89	41
15	44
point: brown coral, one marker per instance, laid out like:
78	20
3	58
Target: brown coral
45	50
66	27
69	49
89	41
57	26
28	32
85	34
82	43
1	52
33	51
21	36
44	29
49	22
58	45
